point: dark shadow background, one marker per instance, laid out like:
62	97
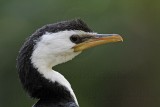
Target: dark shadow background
115	75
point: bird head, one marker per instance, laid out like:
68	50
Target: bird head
58	45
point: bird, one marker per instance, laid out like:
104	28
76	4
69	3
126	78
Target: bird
50	45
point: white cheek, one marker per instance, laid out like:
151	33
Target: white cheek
57	42
54	48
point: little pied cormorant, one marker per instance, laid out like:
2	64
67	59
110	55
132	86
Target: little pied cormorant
51	45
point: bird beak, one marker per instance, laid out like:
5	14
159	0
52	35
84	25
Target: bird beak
97	39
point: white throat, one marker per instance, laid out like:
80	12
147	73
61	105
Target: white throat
51	50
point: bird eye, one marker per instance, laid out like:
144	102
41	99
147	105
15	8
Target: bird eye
75	38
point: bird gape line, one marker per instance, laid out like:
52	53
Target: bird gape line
51	45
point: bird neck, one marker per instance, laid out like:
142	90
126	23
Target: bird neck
56	77
55	94
45	64
41	82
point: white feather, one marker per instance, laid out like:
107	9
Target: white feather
54	49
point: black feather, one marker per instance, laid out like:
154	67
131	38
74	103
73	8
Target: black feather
52	103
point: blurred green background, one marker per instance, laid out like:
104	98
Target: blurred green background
115	75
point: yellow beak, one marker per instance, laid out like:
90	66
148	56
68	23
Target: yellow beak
97	39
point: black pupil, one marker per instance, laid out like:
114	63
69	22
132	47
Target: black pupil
75	39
